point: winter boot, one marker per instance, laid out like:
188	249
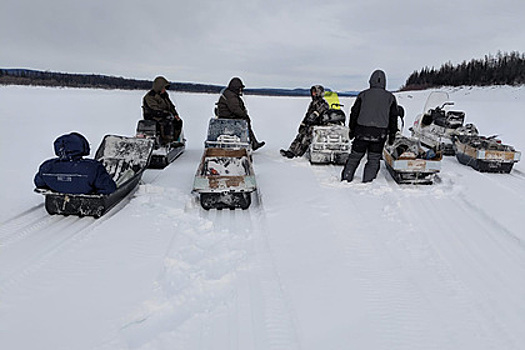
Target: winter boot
256	145
287	153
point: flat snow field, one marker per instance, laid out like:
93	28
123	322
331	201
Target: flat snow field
316	264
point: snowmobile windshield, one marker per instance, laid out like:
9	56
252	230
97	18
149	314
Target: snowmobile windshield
436	99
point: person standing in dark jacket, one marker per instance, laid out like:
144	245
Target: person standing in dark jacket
317	107
70	173
231	106
373	119
156	105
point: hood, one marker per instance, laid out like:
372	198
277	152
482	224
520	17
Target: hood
160	83
71	146
378	79
319	92
236	85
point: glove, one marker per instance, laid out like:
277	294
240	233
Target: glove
310	120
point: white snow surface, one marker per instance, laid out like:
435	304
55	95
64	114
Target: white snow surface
317	264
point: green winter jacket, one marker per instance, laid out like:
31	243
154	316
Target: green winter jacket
157	104
230	104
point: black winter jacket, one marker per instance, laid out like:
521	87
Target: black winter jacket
374	113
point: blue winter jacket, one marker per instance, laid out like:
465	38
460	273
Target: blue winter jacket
71	174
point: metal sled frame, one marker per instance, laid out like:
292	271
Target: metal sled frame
412	171
220	191
485	160
330	145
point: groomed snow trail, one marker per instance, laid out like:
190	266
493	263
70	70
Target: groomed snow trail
314	264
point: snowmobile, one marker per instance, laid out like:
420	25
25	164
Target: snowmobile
225	179
485	154
435	127
409	163
163	154
330	142
125	159
228	134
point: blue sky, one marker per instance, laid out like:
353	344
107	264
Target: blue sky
268	43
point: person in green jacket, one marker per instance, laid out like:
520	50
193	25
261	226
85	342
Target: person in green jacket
156	105
231	106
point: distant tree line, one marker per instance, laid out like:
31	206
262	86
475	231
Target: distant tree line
501	69
92	81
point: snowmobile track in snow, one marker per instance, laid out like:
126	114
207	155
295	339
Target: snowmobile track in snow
56	234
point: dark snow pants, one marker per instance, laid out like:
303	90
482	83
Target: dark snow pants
170	129
359	148
302	141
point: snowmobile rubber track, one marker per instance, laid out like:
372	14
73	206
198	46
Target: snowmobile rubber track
161	161
231	200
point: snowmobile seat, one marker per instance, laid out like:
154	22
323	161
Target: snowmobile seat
333	117
146	128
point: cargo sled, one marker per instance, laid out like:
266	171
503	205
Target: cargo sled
164	154
409	163
330	142
228	134
485	154
437	125
225	179
125	159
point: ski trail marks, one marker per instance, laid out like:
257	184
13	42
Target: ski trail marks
217	266
45	237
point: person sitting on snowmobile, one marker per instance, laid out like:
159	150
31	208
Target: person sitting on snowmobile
70	173
318	106
373	118
231	106
156	105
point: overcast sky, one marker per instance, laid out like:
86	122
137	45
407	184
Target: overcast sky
267	43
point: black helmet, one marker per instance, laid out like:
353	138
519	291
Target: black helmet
319	90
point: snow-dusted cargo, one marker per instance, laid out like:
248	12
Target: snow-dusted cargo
125	159
437	124
485	154
225	179
409	163
162	155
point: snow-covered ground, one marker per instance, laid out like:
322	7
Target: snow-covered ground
318	264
